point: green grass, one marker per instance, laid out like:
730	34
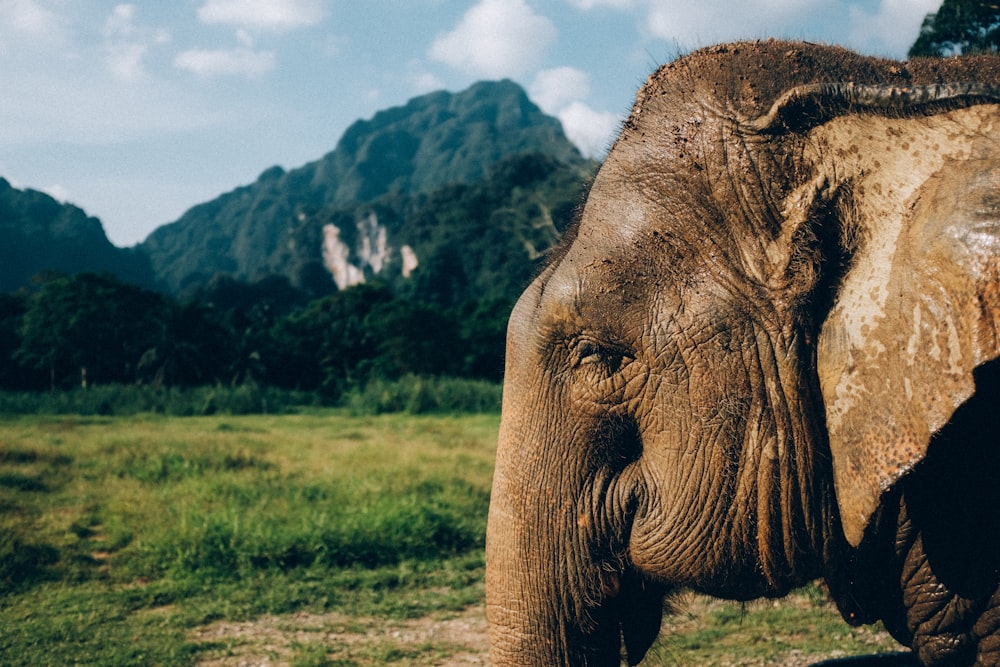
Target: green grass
329	538
798	630
117	536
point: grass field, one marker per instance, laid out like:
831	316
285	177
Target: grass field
316	538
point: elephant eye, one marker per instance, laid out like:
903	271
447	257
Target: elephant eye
587	351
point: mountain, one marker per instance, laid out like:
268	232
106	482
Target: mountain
462	242
364	208
37	233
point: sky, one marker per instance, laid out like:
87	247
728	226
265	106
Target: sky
136	111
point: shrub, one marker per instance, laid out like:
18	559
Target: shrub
411	394
423	395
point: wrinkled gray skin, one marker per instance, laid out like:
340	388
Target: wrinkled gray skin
764	355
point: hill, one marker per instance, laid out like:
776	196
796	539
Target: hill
38	233
391	200
461	242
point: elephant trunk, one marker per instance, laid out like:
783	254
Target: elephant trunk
529	600
556	592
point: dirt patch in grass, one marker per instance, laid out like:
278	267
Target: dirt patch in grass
460	640
446	640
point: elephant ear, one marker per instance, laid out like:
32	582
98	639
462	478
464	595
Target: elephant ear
917	308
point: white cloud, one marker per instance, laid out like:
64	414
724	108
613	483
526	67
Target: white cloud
276	15
334	45
241	61
28	27
592	131
427	83
495	38
693	24
34	111
553	89
893	27
244	38
126	44
614	4
886	30
696	23
121	22
29	17
56	191
125	61
561	92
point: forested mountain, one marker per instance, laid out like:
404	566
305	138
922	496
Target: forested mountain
459	243
399	253
368	207
37	233
439	306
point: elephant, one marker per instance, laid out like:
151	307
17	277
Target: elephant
764	354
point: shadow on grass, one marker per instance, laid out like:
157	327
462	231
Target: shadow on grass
19	482
23	565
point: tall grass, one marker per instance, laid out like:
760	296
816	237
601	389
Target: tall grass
129	400
119	537
418	395
410	394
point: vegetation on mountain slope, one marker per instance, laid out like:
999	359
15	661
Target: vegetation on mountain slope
382	165
39	233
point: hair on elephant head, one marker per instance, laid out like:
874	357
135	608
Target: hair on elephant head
763	355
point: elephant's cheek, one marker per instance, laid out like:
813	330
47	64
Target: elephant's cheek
653	555
662	517
679	535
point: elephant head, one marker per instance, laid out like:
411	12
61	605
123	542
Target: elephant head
781	282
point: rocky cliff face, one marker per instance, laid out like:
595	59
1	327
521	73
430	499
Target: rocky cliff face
371	255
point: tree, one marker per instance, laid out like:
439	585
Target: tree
247	312
483	331
408	337
12	374
191	348
327	345
959	27
89	328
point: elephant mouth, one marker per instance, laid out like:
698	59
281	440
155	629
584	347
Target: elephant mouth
636	606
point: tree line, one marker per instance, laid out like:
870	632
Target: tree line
959	27
91	328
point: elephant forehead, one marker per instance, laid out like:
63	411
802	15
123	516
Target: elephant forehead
632	256
619	209
626	244
630	301
603	288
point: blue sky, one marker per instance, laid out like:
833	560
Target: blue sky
136	111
